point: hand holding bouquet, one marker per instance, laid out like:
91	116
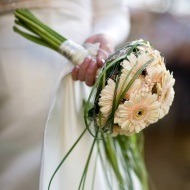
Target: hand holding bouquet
133	90
87	71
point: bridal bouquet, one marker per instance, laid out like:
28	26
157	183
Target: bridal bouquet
133	90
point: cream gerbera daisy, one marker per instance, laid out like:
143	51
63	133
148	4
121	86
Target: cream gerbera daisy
154	76
106	98
155	72
166	94
140	60
107	94
166	102
158	59
135	87
101	121
137	113
117	130
129	64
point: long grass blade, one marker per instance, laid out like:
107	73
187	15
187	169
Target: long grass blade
83	178
65	157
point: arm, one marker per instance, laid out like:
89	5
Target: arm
111	17
110	28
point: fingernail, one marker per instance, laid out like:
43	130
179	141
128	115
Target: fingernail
103	60
89	57
93	60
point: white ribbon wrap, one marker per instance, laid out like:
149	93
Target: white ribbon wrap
76	53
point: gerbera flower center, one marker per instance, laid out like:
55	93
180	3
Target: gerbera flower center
139	113
144	72
154	89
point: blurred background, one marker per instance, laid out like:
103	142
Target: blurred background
166	24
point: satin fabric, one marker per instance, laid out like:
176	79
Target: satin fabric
41	107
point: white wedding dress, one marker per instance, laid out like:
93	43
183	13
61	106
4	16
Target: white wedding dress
41	111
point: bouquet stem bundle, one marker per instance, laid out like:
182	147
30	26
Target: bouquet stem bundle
39	32
42	34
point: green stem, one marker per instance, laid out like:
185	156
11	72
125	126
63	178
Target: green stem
82	181
37	21
33	38
39	30
103	166
94	172
62	161
110	153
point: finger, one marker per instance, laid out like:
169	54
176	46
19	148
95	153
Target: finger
74	73
83	69
91	73
101	57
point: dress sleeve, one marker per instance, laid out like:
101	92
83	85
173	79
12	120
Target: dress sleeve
111	17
